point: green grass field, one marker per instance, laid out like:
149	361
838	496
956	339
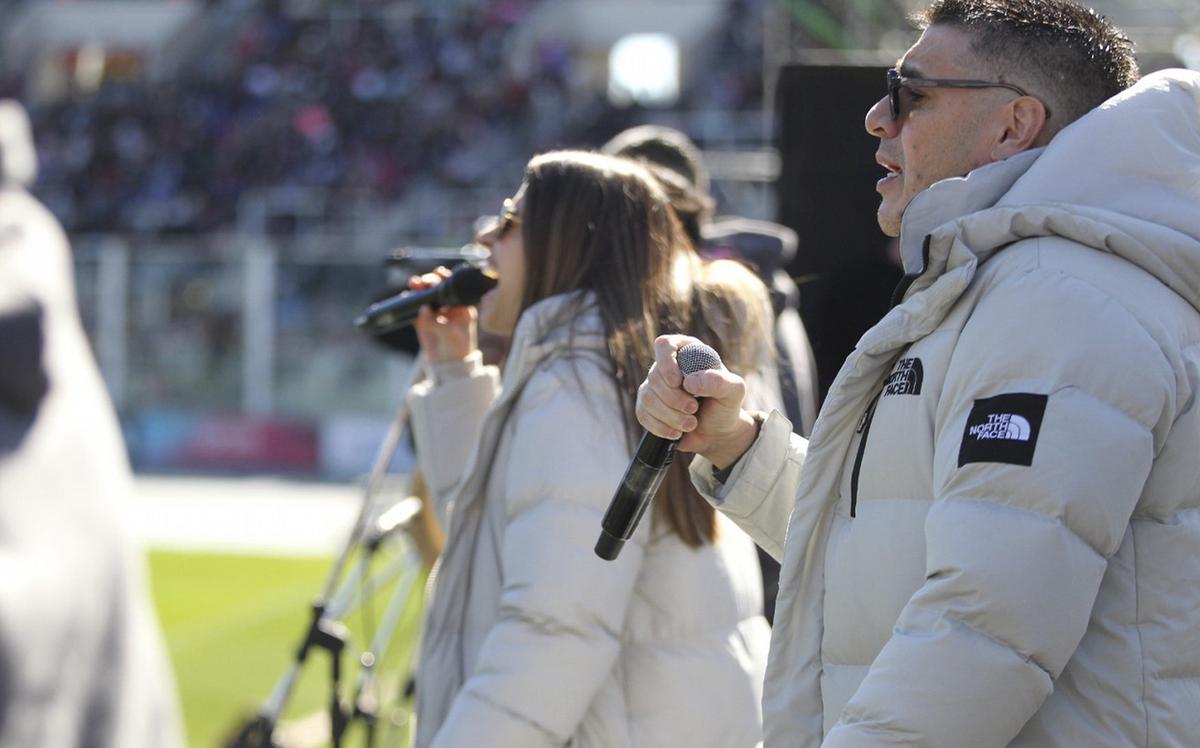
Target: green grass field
233	624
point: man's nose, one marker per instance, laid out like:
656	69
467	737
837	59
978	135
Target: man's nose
879	120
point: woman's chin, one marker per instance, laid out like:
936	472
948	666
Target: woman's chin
494	317
487	321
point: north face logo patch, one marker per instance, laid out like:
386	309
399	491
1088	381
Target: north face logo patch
906	378
1003	428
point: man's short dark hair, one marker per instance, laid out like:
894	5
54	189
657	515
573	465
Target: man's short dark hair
1066	54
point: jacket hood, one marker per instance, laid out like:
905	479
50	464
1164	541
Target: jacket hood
1125	178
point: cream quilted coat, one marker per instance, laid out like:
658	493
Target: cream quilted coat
993	537
530	639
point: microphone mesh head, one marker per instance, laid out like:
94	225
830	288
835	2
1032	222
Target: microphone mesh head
695	357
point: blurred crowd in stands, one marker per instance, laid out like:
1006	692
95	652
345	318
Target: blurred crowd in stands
361	106
379	109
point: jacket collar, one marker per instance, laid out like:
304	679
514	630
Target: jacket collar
544	328
951	199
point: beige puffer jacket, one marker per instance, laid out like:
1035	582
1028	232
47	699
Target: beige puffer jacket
530	639
994	533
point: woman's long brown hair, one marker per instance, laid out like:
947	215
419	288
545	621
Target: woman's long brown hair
603	225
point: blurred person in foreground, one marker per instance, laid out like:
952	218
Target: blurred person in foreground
530	639
81	658
767	247
994	533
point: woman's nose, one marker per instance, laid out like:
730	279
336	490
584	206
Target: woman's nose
487	235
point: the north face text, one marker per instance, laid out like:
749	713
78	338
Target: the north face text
906	378
1003	428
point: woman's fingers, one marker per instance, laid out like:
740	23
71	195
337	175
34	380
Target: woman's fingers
446	334
425	280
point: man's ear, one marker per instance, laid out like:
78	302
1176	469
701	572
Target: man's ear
1024	128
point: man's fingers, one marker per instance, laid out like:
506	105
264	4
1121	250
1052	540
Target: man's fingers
657	427
668	344
669	390
692	442
667	407
664	357
672	408
718	384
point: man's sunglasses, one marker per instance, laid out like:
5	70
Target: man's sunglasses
895	82
507	218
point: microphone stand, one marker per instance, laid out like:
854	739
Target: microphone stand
366	705
325	630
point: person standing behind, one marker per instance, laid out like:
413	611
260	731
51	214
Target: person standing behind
767	247
994	533
529	638
81	657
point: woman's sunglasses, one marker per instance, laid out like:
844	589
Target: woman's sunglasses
507	218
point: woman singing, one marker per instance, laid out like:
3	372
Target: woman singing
530	639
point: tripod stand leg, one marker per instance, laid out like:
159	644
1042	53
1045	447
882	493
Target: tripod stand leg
257	734
366	704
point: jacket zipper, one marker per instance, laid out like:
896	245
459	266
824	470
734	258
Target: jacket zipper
910	278
864	428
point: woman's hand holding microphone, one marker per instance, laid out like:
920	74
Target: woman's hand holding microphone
448	334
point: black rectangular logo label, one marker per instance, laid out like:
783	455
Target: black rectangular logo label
906	378
1003	428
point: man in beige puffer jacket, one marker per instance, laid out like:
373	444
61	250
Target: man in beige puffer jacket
993	535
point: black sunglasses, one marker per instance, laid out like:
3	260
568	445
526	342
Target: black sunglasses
507	218
895	82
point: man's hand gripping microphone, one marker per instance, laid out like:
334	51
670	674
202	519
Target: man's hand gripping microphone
649	466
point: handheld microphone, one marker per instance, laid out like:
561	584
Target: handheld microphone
648	468
465	286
